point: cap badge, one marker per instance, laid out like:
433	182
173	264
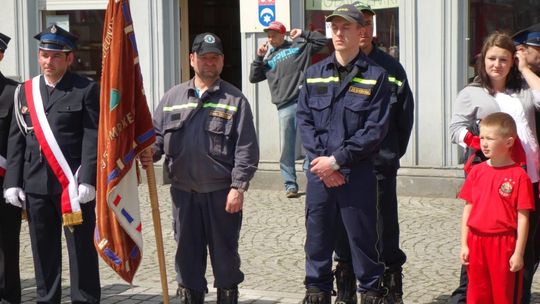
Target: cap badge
53	29
209	39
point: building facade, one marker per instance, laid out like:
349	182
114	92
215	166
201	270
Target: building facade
436	41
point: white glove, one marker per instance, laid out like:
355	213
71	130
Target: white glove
15	196
86	193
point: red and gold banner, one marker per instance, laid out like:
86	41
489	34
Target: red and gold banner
125	130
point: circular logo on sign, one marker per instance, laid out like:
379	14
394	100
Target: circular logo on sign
209	39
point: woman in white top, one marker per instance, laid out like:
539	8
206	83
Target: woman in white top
499	87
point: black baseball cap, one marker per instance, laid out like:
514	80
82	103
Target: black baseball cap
4	40
348	12
364	8
207	43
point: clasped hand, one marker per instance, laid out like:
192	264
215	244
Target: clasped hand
322	167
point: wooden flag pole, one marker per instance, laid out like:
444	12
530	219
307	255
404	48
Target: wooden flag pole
156	218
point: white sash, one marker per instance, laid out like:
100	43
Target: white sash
58	160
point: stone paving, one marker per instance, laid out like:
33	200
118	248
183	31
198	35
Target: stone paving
272	253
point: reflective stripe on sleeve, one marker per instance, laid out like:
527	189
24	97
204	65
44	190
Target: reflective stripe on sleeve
394	80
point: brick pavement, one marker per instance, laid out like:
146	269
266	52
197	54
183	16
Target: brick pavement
272	252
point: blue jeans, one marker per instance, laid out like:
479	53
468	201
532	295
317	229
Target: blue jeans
287	136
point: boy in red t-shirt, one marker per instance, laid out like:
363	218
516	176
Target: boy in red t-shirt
495	222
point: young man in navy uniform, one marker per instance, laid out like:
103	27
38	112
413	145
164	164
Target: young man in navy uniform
386	163
67	105
10	215
205	129
343	118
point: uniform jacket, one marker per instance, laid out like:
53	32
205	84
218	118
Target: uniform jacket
401	117
209	142
284	66
73	112
346	119
7	89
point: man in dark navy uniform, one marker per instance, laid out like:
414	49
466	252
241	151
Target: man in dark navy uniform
10	216
386	163
205	129
69	108
343	118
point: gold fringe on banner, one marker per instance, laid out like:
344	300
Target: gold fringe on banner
72	219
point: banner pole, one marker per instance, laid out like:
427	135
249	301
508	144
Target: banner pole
156	218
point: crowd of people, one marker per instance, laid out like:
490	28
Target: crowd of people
352	113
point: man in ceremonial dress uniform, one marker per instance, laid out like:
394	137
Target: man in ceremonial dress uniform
51	168
10	216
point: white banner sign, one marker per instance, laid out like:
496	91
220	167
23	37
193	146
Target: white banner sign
254	14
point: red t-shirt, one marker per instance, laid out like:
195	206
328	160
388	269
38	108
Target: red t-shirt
496	193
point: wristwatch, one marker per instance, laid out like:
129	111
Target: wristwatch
333	163
239	189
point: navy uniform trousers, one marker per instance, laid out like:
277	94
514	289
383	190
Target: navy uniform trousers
392	255
356	204
45	224
10	228
201	222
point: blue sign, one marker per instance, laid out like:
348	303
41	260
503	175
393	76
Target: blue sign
267	14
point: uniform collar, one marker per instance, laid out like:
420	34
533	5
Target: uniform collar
52	84
213	88
359	61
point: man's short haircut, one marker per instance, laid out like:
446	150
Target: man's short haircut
503	122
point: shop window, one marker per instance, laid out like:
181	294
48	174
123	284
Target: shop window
88	26
487	16
386	30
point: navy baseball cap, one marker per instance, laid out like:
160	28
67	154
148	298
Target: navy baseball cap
4	40
55	38
529	36
207	43
348	12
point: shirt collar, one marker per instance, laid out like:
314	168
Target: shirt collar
52	85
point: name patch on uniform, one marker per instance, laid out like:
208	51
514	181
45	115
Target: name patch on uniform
221	114
361	91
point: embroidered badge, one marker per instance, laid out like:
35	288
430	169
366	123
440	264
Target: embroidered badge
53	29
221	114
360	91
209	39
507	187
24	109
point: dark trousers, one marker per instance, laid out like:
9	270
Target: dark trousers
531	259
201	222
356	203
392	255
10	228
45	224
